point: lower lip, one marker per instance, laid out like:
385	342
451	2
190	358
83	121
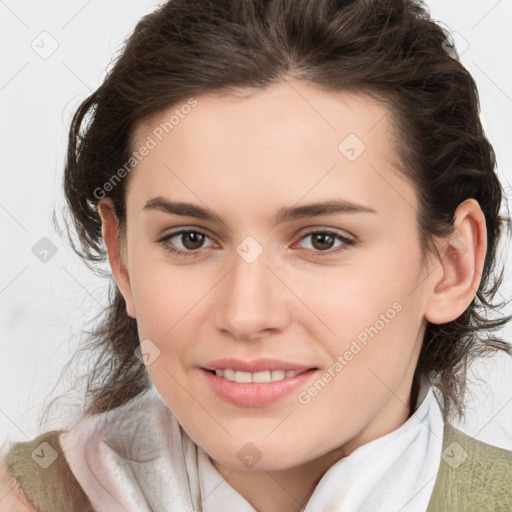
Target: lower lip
251	394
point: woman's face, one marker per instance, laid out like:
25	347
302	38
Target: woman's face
299	244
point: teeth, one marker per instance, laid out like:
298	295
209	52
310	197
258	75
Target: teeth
262	376
277	375
229	374
243	377
265	376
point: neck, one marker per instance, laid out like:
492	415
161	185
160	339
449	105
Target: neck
280	491
289	490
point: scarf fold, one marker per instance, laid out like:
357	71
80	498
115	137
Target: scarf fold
137	458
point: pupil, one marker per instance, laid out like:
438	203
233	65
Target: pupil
323	243
197	240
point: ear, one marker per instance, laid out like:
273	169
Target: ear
461	258
110	231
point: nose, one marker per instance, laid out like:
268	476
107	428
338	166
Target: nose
251	300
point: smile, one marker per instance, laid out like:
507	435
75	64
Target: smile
264	376
258	389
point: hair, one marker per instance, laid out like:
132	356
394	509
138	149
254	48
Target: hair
391	50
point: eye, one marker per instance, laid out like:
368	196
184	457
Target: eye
191	240
323	241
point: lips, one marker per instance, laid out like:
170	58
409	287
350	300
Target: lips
247	383
258	365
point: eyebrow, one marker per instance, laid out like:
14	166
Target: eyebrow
285	214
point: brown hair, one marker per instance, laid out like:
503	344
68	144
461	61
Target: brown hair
390	49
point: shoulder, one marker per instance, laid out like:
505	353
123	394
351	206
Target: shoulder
12	498
472	472
473	457
36	476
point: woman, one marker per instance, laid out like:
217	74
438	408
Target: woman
300	212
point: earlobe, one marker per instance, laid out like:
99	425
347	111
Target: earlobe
461	258
110	231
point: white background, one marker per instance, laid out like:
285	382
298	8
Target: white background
44	306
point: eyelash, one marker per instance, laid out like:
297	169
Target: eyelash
184	253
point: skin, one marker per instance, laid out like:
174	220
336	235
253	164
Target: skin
245	157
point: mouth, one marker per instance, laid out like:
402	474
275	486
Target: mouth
257	388
264	376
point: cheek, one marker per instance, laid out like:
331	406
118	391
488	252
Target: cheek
162	292
359	296
374	335
167	308
375	313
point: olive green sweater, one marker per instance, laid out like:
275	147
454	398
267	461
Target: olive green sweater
472	476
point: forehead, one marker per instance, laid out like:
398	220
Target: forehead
291	137
263	114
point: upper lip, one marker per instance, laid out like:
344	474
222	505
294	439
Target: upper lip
258	365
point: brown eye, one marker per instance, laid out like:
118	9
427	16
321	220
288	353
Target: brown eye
323	241
192	240
185	242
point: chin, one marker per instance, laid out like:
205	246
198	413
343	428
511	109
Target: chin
251	457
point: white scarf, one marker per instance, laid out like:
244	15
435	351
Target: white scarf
137	458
